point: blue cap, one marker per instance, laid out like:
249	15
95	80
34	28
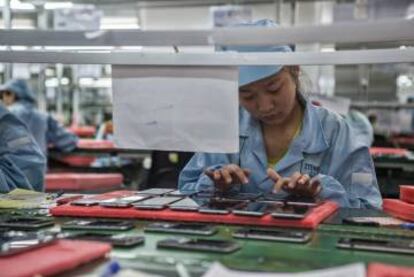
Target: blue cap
249	74
20	88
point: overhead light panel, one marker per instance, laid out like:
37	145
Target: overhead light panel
17	5
57	5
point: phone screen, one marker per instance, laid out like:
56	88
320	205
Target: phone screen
209	245
26	222
241	196
258	208
291	211
124	202
188	204
394	246
222	206
156	202
116	240
98	225
155	191
184	228
272	234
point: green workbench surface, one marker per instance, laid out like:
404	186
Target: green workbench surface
255	255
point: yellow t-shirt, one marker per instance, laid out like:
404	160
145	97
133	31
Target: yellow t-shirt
271	163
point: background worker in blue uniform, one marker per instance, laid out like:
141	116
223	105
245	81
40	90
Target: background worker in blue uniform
287	145
22	164
18	98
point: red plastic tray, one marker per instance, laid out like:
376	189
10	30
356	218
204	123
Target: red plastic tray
311	221
53	259
381	151
407	193
384	270
95	144
77	160
83	131
83	181
399	209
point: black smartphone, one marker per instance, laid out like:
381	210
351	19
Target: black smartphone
221	206
181	228
383	245
291	211
122	240
156	203
188	204
88	201
124	202
241	196
98	224
257	208
155	191
273	234
26	222
360	221
206	245
15	242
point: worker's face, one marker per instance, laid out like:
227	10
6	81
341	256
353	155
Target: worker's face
270	100
7	97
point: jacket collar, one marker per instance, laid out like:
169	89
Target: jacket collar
311	139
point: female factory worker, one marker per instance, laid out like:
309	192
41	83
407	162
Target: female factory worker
22	164
18	98
287	145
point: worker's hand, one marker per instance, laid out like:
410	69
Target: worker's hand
300	184
227	176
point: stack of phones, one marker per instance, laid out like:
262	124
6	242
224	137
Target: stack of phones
181	228
205	245
98	224
14	242
383	245
275	209
273	234
121	240
26	223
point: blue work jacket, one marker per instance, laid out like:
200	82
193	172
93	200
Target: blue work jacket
22	164
325	147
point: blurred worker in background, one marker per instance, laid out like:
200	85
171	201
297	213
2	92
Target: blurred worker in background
22	164
287	145
18	98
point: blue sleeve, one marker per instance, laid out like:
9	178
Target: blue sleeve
192	177
22	164
350	179
59	137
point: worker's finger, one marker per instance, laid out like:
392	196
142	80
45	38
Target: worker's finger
273	174
293	180
226	175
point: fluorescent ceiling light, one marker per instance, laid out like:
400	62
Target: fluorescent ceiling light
58	5
17	5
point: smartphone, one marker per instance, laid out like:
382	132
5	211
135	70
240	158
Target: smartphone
188	204
205	245
98	224
156	203
124	202
221	206
291	211
122	240
383	245
258	208
360	221
13	242
182	228
242	196
26	222
179	193
273	234
88	201
155	191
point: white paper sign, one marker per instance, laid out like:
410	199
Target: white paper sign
176	108
354	270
